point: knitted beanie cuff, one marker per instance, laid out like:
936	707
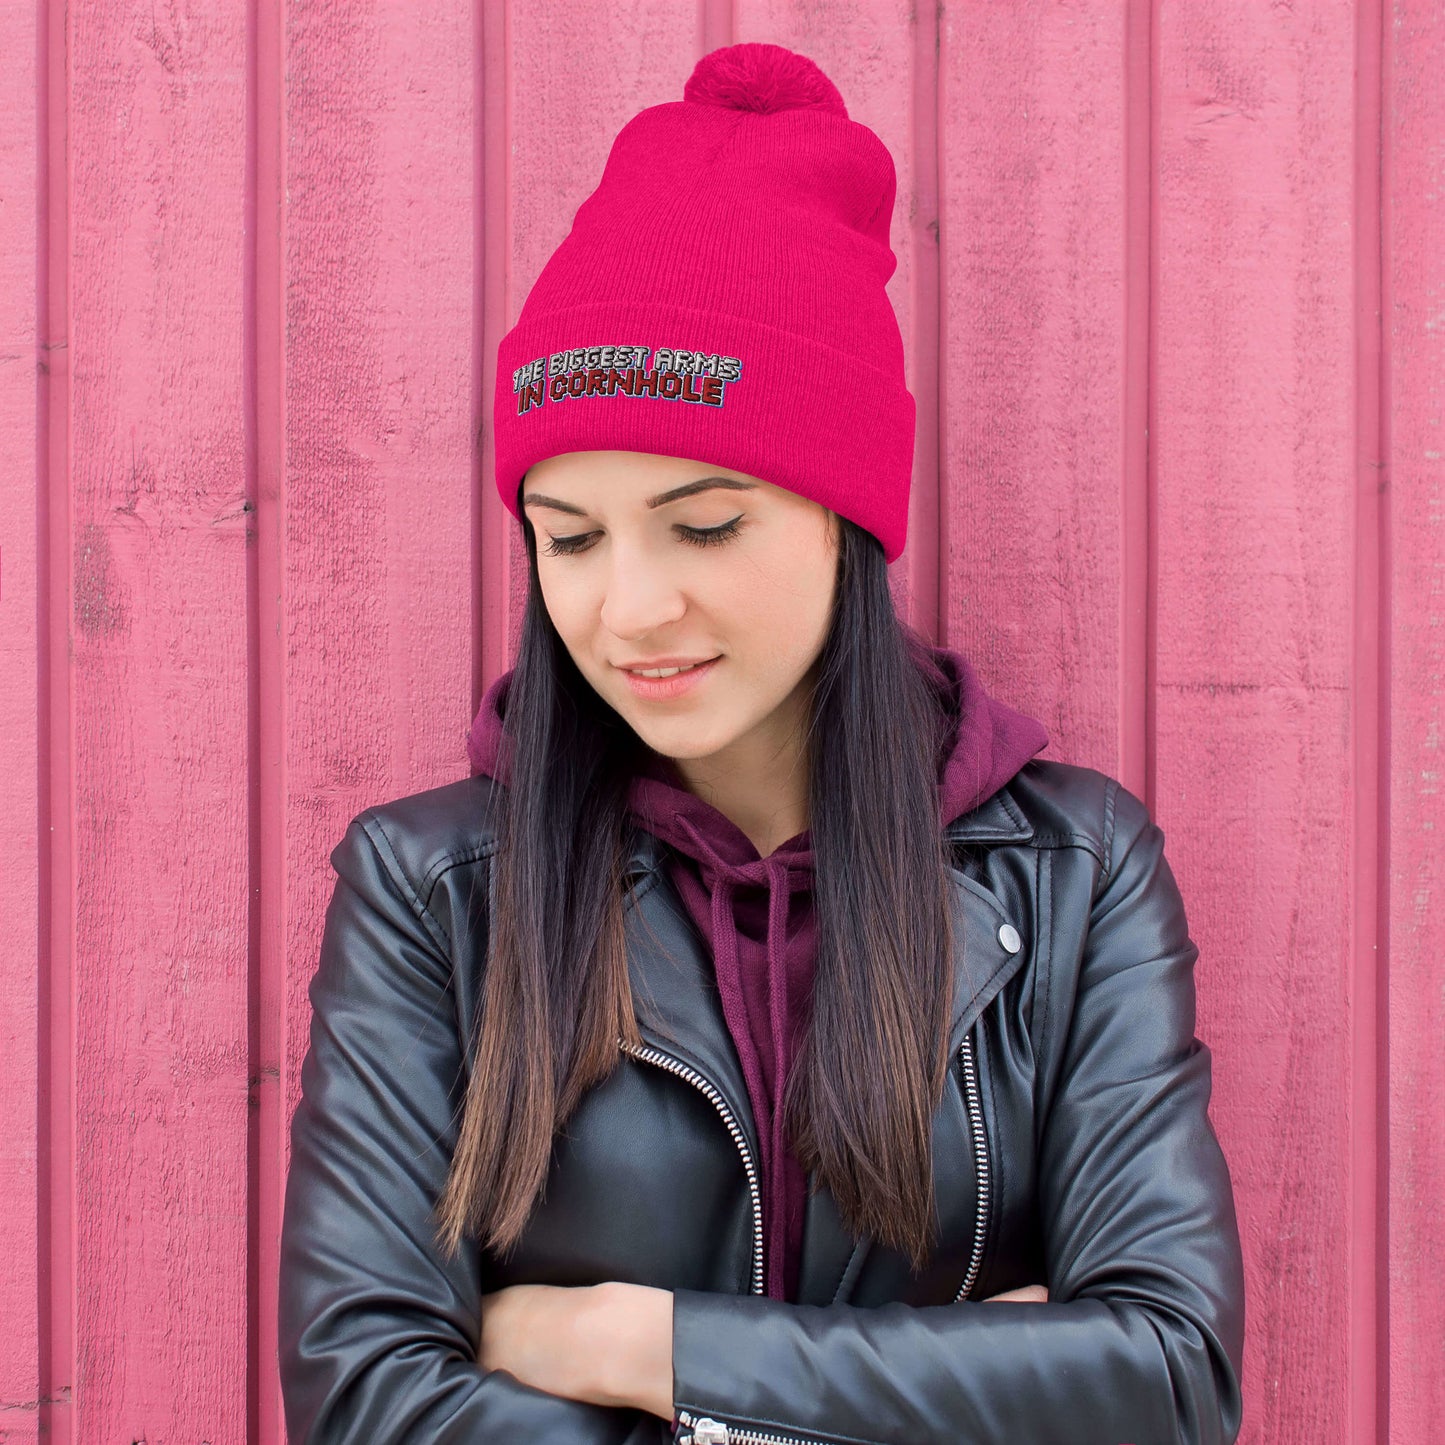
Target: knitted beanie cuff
748	396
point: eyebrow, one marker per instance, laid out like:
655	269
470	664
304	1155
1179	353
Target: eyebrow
688	489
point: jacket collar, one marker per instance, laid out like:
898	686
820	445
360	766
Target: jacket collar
678	1007
996	820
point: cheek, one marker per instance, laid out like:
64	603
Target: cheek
794	579
777	605
568	607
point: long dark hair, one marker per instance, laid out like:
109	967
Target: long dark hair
859	1103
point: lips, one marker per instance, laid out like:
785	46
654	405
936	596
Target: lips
665	659
676	681
665	669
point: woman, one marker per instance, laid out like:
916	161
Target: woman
763	1002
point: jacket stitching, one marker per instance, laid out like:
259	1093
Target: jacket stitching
996	1157
982	989
1038	837
485	854
639	890
1044	968
445	864
1040	841
1012	809
379	840
847	1269
1044	840
1109	795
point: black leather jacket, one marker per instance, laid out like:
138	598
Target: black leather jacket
1072	1148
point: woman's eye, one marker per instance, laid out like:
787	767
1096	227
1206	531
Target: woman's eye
566	546
711	536
697	536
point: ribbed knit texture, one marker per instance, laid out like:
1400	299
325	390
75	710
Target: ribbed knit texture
746	227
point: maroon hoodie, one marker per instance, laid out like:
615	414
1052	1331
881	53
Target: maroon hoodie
757	913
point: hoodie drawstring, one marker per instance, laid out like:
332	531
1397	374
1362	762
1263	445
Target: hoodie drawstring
771	873
722	878
778	984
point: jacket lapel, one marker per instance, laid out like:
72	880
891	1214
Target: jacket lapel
674	987
982	964
679	1011
833	1260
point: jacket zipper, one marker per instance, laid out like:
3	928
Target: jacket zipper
980	1162
676	1066
704	1430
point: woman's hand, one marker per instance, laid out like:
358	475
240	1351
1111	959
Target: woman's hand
606	1344
1037	1293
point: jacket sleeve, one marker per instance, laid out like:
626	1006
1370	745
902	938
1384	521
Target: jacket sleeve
378	1331
1142	1335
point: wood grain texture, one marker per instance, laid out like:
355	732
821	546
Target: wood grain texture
1253	493
157	654
375	536
371	522
1414	381
1170	281
22	463
1032	126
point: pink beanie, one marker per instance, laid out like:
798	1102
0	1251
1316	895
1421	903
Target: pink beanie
721	296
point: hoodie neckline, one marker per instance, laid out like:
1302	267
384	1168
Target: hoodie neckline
986	743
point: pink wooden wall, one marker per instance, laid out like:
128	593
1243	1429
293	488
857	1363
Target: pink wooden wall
1172	279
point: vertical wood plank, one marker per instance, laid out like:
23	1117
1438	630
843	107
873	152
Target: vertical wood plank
269	982
1254	486
55	1305
376	518
1414	380
492	526
21	464
1032	278
157	636
1366	1109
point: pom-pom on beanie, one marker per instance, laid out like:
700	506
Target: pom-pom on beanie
721	296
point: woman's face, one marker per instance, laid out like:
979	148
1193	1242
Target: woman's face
652	561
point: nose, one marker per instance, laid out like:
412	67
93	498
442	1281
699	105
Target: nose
641	598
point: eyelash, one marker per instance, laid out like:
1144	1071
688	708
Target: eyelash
697	536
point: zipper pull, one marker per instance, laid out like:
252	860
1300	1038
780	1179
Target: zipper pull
705	1431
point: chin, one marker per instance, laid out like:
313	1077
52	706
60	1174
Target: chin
684	740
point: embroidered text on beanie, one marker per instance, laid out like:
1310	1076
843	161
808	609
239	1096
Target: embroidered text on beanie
721	296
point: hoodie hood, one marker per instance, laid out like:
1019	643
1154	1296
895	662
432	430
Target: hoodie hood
987	743
757	913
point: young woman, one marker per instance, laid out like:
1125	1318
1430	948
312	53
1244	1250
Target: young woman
762	1004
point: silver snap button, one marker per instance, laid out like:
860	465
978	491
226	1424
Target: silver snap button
1008	935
